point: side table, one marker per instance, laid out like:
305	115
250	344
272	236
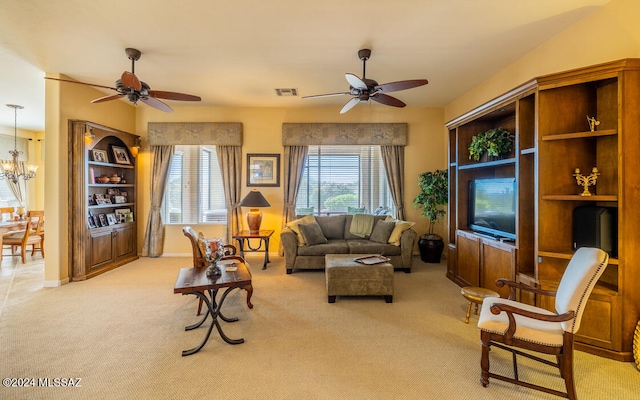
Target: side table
262	236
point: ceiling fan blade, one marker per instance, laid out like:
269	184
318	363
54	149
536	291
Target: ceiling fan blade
155	103
355	82
400	85
173	96
131	81
82	83
107	98
387	100
325	95
350	104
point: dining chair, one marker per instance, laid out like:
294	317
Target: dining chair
33	235
511	325
7	210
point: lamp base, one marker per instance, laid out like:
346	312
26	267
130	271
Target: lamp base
254	219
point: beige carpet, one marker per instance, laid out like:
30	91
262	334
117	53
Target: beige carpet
122	333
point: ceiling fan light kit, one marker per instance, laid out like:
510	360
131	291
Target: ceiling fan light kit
135	90
365	89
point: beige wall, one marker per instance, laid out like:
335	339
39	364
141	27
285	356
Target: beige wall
262	133
610	33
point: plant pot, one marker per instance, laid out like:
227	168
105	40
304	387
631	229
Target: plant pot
431	247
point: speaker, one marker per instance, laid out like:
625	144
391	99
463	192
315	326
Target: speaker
595	226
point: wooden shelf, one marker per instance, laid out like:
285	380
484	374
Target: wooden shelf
531	150
488	164
104	164
567	256
577	197
580	135
111	205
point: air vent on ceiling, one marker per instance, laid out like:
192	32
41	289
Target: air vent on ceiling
287	92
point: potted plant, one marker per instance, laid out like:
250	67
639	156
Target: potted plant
495	142
434	192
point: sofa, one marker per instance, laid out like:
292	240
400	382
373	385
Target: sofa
334	235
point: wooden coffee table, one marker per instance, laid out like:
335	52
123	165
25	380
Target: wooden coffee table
196	282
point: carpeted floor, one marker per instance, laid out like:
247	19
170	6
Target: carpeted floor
122	333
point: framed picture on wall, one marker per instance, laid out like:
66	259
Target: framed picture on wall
263	170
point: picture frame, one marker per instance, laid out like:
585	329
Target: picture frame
111	219
120	155
128	217
103	220
263	170
92	223
122	211
99	155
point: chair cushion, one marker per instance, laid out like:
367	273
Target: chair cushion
381	231
312	234
530	330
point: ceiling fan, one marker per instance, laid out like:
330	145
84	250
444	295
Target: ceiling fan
365	89
134	89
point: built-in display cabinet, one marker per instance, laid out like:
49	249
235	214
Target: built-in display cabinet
102	210
549	118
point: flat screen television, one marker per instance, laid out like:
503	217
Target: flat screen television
492	207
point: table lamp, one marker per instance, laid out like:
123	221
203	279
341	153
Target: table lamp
254	200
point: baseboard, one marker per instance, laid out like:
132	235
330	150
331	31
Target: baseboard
53	284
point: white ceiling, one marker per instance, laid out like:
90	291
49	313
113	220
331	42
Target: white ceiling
235	53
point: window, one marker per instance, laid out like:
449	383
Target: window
194	192
339	179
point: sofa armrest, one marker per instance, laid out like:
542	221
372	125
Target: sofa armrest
407	240
289	242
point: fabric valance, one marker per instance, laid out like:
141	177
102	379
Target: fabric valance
195	133
298	134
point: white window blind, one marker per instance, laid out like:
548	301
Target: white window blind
337	178
194	192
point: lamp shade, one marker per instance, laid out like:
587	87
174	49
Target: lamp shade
254	199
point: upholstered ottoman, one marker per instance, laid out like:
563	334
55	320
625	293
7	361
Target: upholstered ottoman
346	277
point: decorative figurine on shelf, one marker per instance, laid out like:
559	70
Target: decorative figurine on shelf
586	180
592	123
215	251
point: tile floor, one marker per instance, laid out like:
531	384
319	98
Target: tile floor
18	281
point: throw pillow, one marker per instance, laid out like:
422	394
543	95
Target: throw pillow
312	234
293	225
382	231
400	227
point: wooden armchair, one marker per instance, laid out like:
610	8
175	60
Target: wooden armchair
199	259
505	322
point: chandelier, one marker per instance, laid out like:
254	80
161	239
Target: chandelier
11	170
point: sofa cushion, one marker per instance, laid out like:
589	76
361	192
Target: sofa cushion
381	231
332	226
293	225
336	246
400	226
312	234
368	247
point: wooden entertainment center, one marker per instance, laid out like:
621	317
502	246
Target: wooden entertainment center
548	116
